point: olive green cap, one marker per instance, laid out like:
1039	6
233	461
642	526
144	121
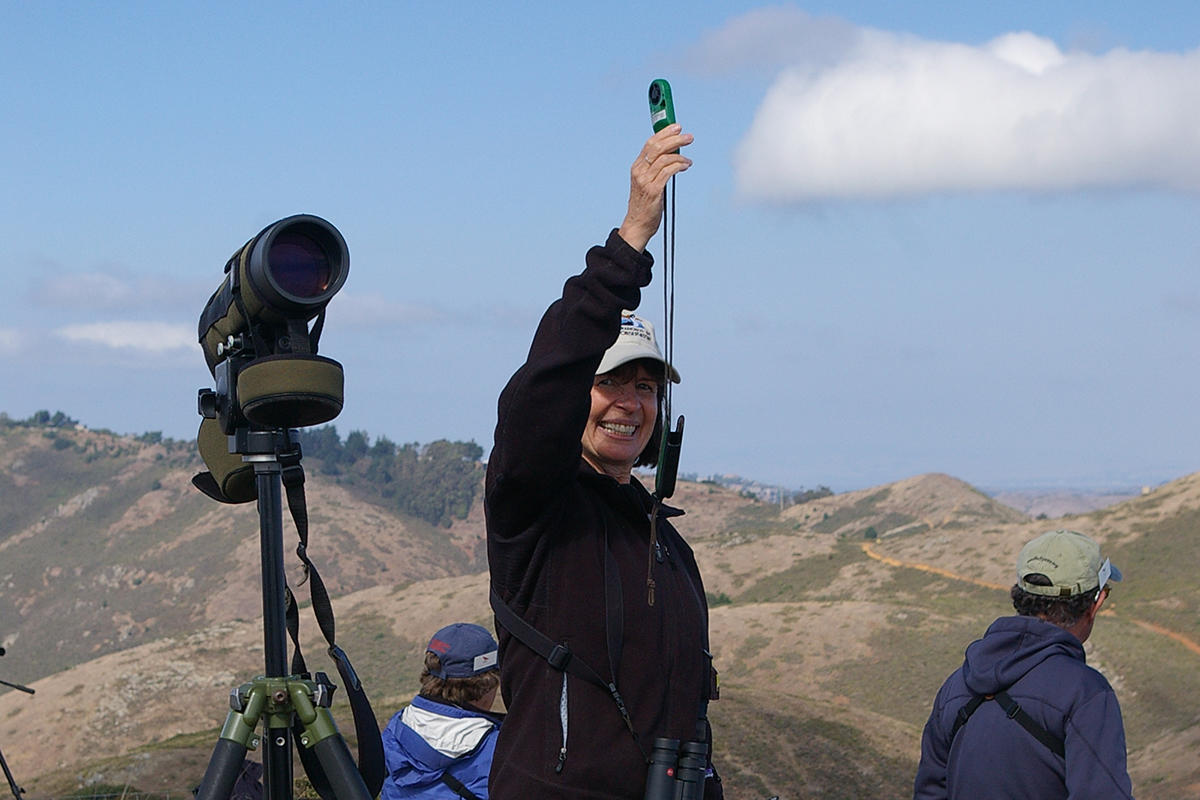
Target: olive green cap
1071	561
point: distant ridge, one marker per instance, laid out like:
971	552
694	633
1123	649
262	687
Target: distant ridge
1053	503
908	506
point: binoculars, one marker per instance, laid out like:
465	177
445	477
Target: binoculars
677	771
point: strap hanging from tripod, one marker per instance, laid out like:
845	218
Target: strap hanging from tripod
366	730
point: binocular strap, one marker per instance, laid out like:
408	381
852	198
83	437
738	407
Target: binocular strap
560	657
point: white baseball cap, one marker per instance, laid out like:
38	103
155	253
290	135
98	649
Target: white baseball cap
635	340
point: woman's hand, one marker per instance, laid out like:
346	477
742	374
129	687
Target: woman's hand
648	176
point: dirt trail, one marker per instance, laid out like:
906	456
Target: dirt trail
1175	636
945	573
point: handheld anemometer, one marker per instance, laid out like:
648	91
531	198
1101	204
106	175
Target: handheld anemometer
662	108
662	114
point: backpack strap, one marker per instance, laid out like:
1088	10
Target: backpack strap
1014	712
1027	722
457	786
965	713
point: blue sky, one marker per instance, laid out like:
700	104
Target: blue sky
917	237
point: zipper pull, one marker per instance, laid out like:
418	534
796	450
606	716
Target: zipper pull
658	552
562	759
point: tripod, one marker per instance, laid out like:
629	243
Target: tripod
17	791
277	698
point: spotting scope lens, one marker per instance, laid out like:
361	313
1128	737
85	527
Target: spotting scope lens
299	265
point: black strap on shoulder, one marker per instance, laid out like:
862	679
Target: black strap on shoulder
1014	712
370	744
458	787
558	656
965	713
1027	722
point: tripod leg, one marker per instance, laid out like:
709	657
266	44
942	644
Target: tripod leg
222	772
12	782
339	766
237	736
321	734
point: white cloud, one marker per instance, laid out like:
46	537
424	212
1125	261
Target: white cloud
148	337
894	115
10	341
373	310
116	292
772	38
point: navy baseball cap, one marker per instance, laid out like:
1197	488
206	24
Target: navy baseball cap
465	650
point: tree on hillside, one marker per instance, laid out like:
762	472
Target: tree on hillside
356	445
436	482
323	444
44	419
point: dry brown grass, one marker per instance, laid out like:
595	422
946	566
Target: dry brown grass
829	658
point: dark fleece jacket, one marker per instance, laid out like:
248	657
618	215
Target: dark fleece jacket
1044	670
547	514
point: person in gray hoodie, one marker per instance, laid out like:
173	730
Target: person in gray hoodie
1025	716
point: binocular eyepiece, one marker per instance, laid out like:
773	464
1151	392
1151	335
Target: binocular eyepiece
677	771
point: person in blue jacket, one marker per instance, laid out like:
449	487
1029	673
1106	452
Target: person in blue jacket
440	746
1025	716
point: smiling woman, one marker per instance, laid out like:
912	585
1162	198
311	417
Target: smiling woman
623	428
603	623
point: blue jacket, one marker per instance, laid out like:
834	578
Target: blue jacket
1043	668
429	738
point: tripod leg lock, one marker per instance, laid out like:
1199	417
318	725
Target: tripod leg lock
237	729
318	722
247	703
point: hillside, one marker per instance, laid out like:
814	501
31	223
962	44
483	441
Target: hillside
833	622
107	536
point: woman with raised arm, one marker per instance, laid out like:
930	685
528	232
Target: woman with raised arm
602	619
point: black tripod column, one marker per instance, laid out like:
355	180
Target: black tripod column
277	738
